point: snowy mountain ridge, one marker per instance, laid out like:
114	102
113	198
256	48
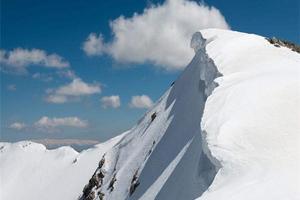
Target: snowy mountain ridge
226	129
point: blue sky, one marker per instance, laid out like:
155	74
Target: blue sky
114	67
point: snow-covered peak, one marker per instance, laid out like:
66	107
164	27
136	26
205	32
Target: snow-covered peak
228	128
198	42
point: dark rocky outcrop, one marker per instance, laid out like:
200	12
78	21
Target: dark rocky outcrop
283	43
94	183
112	182
101	195
134	183
153	116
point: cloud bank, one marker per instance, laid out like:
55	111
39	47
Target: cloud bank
111	101
160	35
17	60
46	122
142	101
76	88
18	126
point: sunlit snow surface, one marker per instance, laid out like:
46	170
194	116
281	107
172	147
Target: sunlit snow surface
228	129
29	171
252	119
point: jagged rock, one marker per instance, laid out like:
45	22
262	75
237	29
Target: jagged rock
86	190
91	196
278	42
112	182
134	183
100	174
153	116
150	151
74	161
101	195
94	181
102	161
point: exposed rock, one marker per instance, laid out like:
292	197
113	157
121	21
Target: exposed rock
101	195
91	196
134	183
93	182
102	161
153	116
278	43
112	182
101	174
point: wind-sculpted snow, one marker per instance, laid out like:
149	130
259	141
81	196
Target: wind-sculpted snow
252	119
228	128
152	148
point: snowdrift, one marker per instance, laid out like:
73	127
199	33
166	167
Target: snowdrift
228	128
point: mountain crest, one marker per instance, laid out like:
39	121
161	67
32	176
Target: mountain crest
148	161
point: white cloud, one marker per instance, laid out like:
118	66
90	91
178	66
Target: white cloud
142	101
94	45
54	98
46	122
76	88
12	87
161	34
111	101
19	59
18	126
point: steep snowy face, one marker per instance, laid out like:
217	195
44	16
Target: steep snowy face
251	120
228	128
163	157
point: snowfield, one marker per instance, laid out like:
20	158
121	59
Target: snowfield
228	128
252	119
29	171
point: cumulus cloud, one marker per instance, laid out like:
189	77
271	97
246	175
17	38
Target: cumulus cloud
142	101
76	88
111	101
46	122
18	126
17	60
94	45
160	35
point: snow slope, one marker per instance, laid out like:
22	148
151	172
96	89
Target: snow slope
165	153
29	171
252	119
228	128
247	146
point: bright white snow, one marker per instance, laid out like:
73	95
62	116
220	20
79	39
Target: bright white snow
252	118
31	172
227	129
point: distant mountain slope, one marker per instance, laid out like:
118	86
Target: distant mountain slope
29	171
227	129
